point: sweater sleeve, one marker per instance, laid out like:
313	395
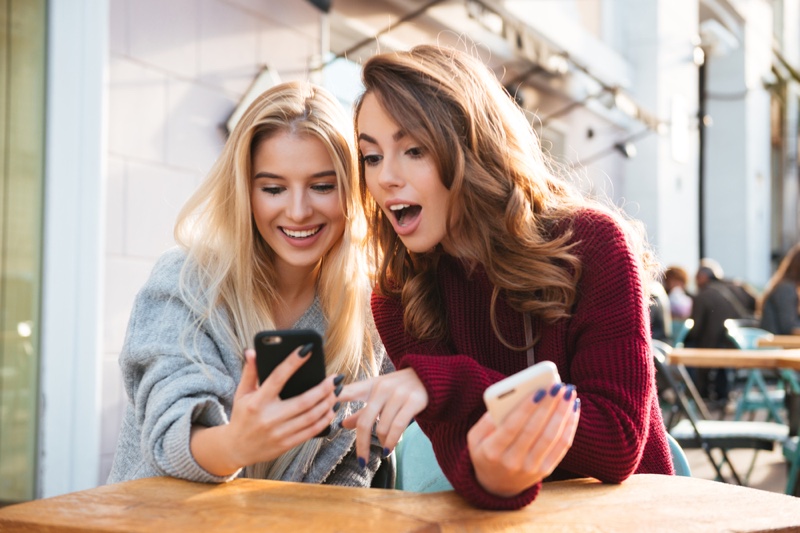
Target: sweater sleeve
608	355
168	391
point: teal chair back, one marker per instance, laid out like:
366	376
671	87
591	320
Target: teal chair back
417	468
679	461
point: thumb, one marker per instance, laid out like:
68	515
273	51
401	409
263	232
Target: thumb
249	381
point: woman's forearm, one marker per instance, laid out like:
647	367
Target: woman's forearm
210	448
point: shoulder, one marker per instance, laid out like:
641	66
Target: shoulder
167	268
596	235
591	226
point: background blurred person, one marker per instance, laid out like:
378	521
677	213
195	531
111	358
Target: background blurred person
680	302
779	303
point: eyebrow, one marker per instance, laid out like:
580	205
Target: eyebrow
396	136
270	175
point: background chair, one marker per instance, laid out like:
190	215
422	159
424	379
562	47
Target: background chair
692	431
756	394
679	460
417	468
680	329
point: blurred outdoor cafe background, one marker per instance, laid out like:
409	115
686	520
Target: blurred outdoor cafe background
684	112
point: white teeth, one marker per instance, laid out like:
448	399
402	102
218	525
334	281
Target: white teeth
398	207
300	234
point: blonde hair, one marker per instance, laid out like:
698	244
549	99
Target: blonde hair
509	211
234	268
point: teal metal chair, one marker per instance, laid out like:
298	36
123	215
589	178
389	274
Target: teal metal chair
679	460
791	452
693	431
417	468
680	329
756	395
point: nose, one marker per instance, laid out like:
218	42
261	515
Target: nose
299	207
390	175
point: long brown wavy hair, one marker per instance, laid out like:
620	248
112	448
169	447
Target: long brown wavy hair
509	209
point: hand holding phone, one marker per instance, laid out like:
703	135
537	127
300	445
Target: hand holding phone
506	394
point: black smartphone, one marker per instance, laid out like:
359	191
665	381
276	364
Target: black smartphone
272	347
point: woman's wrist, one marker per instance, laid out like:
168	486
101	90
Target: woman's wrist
211	448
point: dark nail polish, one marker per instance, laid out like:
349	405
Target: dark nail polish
338	390
554	390
362	463
336	425
570	390
336	406
539	395
386	452
576	405
305	350
338	379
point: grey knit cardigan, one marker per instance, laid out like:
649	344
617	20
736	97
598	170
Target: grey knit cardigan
168	393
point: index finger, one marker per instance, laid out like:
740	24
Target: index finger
358	391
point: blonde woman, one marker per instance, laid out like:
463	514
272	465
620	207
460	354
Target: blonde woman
273	239
481	242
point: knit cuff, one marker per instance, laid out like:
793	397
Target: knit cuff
178	460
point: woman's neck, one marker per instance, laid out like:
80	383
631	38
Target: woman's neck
296	289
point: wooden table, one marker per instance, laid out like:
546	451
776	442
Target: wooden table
779	341
642	503
733	358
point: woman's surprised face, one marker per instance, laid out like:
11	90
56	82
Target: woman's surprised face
402	178
294	199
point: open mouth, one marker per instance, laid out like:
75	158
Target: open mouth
405	213
301	234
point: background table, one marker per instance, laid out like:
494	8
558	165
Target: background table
642	503
734	358
779	341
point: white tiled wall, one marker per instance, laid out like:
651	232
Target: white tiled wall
177	69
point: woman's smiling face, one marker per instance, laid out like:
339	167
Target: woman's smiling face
294	198
402	178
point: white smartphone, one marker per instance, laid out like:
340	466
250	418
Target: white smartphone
506	394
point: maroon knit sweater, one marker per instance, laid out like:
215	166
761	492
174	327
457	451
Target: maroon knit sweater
603	349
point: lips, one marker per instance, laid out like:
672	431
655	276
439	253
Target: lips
405	214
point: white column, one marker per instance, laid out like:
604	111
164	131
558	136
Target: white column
73	246
660	185
738	155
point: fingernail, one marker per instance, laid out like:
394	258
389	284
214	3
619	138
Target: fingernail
338	390
555	389
539	395
336	406
570	390
305	350
386	452
338	379
337	424
576	405
362	463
